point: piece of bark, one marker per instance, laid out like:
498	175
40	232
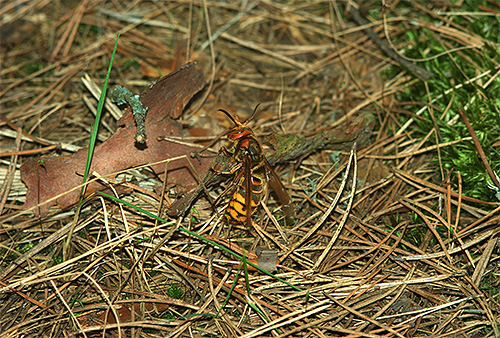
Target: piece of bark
165	99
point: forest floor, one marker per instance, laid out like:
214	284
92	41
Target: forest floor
381	122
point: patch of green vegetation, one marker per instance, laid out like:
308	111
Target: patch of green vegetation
465	80
25	247
31	68
86	29
82	234
145	239
168	316
414	233
6	256
490	284
175	291
57	259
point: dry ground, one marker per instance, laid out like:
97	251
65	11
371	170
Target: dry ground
381	245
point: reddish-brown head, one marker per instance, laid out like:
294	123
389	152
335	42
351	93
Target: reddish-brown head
240	130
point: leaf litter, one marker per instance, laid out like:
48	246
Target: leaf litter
394	251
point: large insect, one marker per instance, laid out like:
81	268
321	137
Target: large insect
252	174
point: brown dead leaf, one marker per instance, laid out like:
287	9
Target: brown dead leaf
165	100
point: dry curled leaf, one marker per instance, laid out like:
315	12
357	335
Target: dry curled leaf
165	99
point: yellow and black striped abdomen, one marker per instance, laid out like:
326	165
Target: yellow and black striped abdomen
237	209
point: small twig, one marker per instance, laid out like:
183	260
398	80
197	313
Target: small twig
122	95
384	47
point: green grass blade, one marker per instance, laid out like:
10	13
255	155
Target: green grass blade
197	236
97	121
